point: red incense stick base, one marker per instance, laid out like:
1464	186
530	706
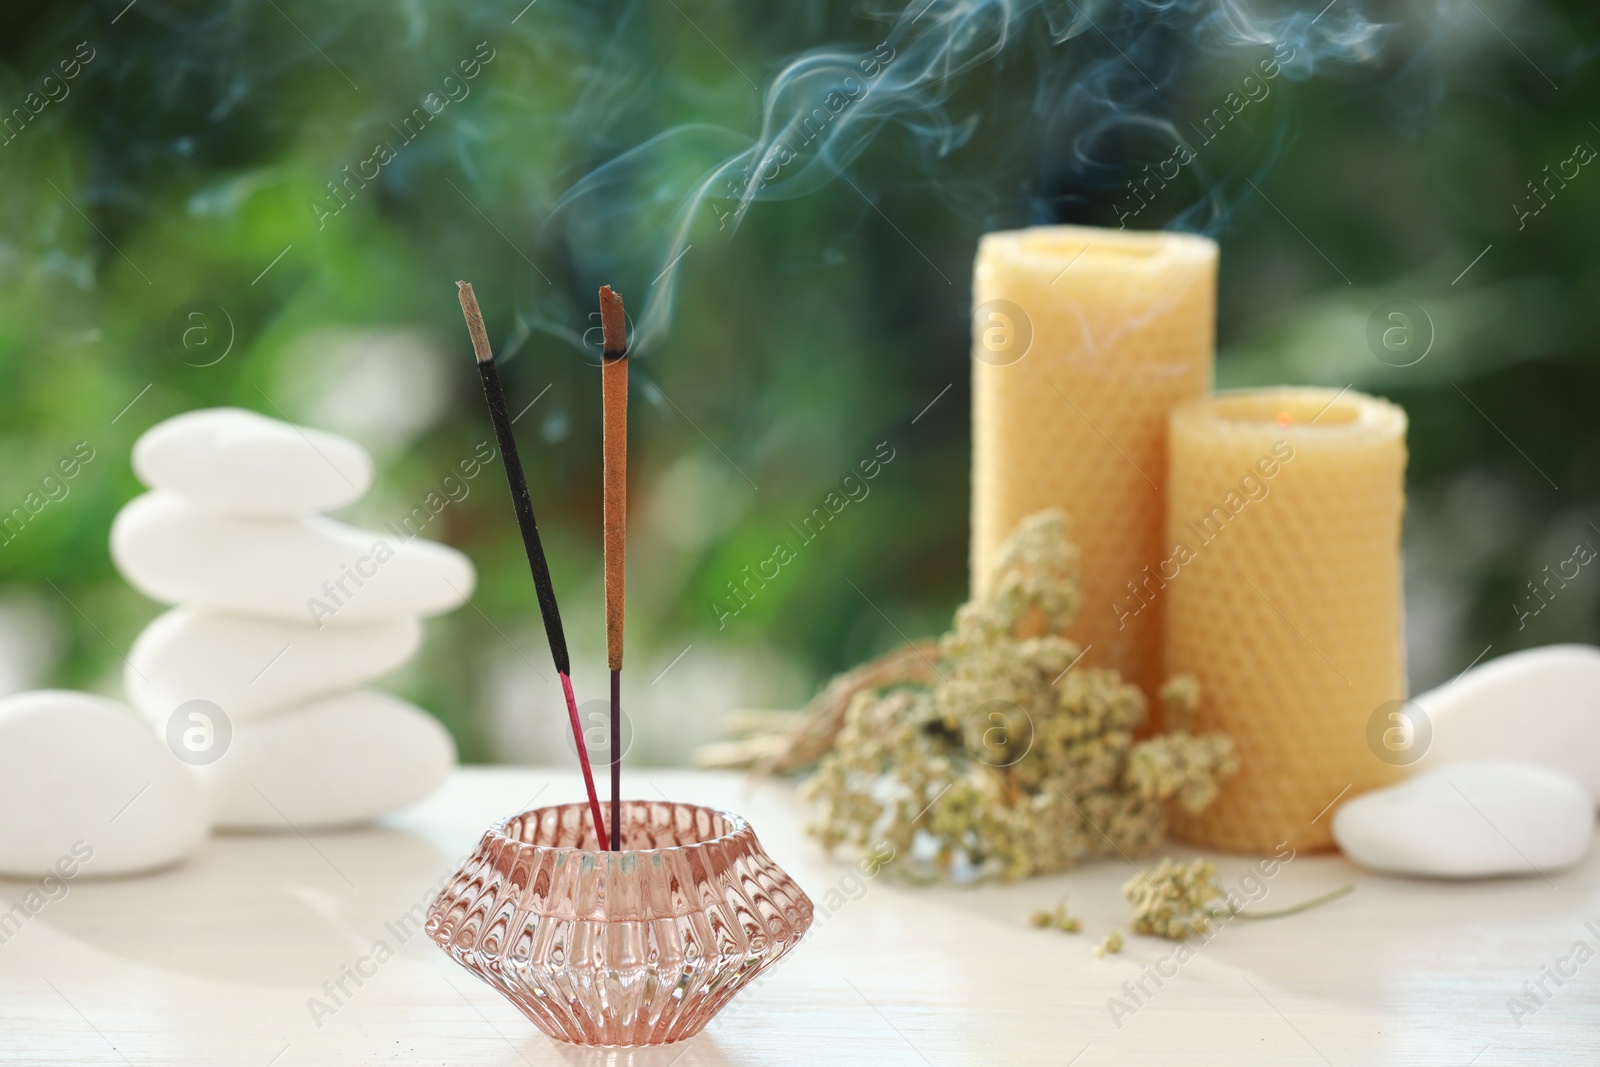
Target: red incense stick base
583	761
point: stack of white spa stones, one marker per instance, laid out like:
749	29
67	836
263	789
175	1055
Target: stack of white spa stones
279	615
247	712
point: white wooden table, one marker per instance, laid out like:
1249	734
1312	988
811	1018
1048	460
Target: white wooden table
214	963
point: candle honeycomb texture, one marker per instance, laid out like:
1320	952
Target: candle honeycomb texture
1083	341
1283	591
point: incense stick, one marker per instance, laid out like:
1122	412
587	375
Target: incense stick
614	417
495	393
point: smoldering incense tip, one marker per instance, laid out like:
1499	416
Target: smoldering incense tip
613	323
475	327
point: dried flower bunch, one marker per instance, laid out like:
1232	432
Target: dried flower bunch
1178	900
1006	759
1175	900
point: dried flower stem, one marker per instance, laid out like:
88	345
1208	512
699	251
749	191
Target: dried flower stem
1315	902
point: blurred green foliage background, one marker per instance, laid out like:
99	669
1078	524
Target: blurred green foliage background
185	161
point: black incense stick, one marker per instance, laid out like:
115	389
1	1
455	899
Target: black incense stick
495	393
614	421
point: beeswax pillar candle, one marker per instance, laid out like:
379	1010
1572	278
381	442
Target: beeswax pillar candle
1083	341
1283	594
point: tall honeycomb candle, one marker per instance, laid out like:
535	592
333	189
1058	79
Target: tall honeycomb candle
1083	342
1283	591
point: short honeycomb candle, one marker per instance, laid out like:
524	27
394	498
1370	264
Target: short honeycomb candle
1083	342
1282	582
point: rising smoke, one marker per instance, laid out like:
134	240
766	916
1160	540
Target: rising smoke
1108	81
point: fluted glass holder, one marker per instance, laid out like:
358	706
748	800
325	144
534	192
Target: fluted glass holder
636	947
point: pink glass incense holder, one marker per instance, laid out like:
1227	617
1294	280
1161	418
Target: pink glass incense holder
636	947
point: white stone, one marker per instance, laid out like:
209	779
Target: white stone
1470	820
1538	706
340	762
309	569
241	462
86	787
249	666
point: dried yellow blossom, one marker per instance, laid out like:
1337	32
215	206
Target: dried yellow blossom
1059	919
1175	900
1013	760
1180	696
1182	767
1112	944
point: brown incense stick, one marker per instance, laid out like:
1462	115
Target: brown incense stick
614	416
500	415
